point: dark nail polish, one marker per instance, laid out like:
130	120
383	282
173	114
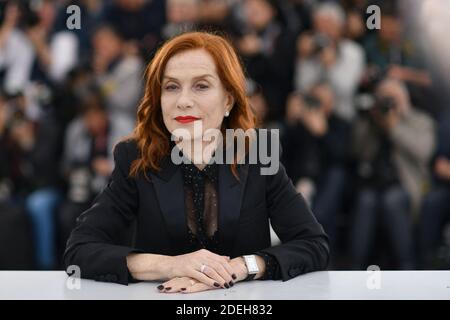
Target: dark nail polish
216	285
226	285
160	287
231	283
234	276
182	289
168	288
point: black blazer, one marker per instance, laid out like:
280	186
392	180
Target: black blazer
148	215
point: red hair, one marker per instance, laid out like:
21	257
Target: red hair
151	134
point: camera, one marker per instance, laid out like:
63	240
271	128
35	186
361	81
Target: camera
320	42
311	102
365	102
385	104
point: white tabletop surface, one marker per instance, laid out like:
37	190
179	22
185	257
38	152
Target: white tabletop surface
43	285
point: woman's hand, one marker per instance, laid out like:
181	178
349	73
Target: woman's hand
203	266
189	285
183	285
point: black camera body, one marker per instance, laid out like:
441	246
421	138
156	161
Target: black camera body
311	102
381	105
320	42
385	104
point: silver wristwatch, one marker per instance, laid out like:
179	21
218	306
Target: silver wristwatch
252	266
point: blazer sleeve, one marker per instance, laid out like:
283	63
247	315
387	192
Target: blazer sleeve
98	244
305	246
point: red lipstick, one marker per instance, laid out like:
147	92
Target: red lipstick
186	119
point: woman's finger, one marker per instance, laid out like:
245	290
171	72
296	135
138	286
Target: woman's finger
198	287
225	263
223	273
202	277
175	285
229	270
211	271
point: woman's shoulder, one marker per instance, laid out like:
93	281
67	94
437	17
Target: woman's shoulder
126	150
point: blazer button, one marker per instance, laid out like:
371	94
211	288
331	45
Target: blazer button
113	278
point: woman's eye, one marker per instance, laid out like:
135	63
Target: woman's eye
202	86
171	87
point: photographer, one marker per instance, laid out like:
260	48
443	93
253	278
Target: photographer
31	149
116	71
16	52
14	225
435	211
30	48
315	152
323	55
267	50
5	170
391	144
87	159
392	51
139	21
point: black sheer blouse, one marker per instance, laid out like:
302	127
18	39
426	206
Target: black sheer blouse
202	212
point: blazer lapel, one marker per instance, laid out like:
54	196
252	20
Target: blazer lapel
168	183
230	200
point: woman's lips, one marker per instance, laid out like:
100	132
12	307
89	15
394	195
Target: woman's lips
186	119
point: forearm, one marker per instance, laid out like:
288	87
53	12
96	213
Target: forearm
143	266
418	77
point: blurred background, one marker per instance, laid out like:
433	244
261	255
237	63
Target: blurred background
364	114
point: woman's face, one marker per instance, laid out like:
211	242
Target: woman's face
192	93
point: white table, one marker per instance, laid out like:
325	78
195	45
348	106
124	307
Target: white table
435	285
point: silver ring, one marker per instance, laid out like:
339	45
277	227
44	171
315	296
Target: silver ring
202	268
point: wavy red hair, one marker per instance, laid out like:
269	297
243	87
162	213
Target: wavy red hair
151	135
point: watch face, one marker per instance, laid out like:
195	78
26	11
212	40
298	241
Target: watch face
252	266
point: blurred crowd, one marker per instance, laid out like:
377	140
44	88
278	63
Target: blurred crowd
364	116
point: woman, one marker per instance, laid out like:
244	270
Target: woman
191	224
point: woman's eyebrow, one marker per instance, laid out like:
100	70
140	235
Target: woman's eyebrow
195	78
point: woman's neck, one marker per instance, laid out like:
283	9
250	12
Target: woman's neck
199	152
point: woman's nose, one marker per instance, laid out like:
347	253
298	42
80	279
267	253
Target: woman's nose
184	100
